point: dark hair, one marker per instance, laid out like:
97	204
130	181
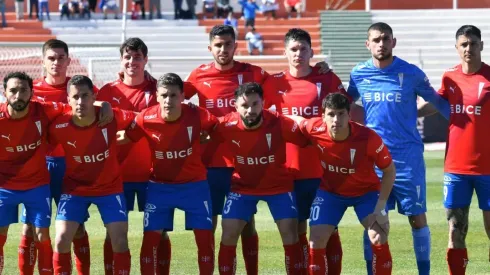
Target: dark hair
297	35
134	44
220	30
468	30
80	80
171	79
381	27
248	89
55	44
336	101
18	75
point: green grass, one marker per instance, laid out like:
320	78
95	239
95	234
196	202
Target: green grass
271	252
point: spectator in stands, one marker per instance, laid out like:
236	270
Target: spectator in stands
254	41
19	10
209	7
109	5
64	9
191	5
177	8
135	7
269	7
224	8
155	5
84	9
249	8
2	11
231	21
34	4
293	6
43	6
92	4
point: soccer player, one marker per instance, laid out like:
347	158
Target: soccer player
257	139
134	92
178	176
348	152
466	167
92	175
299	90
388	87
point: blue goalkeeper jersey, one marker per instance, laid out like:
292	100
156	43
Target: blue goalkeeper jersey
389	97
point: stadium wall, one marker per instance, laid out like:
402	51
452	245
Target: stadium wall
316	5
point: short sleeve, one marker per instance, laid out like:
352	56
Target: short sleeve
270	96
291	132
377	149
208	121
123	118
260	75
352	90
54	109
338	87
136	131
443	90
424	89
190	85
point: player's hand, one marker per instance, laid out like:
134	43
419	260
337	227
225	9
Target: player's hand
192	105
204	137
324	67
378	221
106	115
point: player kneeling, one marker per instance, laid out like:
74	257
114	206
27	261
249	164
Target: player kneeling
92	175
348	152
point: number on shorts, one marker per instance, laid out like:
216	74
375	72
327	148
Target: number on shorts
146	220
315	212
227	206
445	193
61	210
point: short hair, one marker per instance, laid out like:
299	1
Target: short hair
55	44
381	27
80	80
18	75
248	89
297	34
336	101
134	44
220	30
468	30
171	79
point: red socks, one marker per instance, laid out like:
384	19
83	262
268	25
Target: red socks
45	262
122	262
62	263
108	258
318	262
81	249
382	262
305	250
27	255
227	259
292	258
205	251
3	239
164	256
148	254
457	259
334	254
250	250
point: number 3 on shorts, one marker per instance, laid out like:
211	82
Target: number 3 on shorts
315	212
227	206
146	219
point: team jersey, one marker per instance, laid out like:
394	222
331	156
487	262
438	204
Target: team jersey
44	92
92	168
135	158
216	92
175	146
389	97
349	164
468	151
24	146
303	97
259	154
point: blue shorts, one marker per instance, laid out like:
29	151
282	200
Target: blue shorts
133	190
56	168
329	208
219	180
305	190
409	190
162	199
458	190
37	202
112	208
243	207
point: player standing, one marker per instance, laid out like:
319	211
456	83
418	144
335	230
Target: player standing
348	153
178	176
92	175
388	87
466	167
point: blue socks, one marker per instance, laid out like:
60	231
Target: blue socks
421	246
368	253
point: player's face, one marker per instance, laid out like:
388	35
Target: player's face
469	48
250	109
381	44
170	98
133	62
223	48
18	94
56	61
337	121
298	53
81	100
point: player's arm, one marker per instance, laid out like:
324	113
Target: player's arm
106	114
208	124
190	89
427	92
425	109
356	111
133	132
291	131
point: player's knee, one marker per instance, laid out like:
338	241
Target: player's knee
42	234
249	230
418	222
80	232
318	238
302	227
28	230
377	238
288	228
119	243
62	243
4	230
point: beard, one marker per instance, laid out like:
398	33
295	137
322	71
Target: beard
225	62
253	123
384	57
19	105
